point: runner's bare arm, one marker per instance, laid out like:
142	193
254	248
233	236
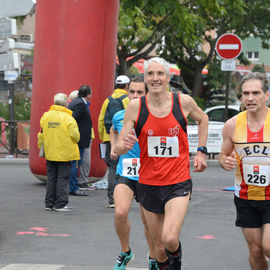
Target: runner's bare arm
191	109
113	139
127	137
227	157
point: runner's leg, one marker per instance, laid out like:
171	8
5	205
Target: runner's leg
123	197
175	212
266	240
148	237
155	223
257	259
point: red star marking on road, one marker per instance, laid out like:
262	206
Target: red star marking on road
206	237
22	233
38	229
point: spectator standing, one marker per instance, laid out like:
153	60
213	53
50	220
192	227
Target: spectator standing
72	95
59	136
86	160
85	167
81	113
116	102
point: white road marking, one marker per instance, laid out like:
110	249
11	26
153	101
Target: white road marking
32	267
48	267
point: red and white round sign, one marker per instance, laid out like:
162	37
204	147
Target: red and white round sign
228	46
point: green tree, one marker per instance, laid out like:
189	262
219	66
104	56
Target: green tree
259	68
205	23
141	25
186	27
22	105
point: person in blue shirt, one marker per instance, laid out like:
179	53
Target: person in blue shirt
126	182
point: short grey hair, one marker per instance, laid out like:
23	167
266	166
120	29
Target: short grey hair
60	99
73	95
257	76
158	60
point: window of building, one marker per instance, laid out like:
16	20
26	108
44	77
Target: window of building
253	55
249	55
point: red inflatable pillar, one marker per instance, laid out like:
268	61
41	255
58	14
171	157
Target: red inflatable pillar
75	44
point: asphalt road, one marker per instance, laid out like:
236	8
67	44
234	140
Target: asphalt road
31	238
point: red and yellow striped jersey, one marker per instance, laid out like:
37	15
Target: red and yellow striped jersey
252	175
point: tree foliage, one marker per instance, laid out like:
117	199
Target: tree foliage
205	23
141	25
22	105
186	27
258	68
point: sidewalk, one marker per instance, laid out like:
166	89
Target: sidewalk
20	160
6	157
4	153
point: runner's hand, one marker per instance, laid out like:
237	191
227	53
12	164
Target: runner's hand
130	140
199	162
230	162
113	155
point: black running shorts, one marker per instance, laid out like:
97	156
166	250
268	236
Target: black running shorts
154	198
132	184
250	213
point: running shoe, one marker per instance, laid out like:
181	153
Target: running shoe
152	263
110	205
66	208
176	259
123	260
91	187
84	187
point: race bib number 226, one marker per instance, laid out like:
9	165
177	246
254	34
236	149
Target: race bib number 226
257	175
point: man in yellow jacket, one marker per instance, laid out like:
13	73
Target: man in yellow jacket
59	136
104	125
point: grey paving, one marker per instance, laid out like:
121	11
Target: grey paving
85	238
53	267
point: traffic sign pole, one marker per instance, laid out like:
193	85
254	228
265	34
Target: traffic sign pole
9	62
228	47
228	76
11	88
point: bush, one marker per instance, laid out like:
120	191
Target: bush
22	107
4	110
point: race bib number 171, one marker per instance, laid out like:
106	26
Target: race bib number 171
163	146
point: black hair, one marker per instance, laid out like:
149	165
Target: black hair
120	85
84	90
139	78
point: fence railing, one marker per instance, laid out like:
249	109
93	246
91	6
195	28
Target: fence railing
14	137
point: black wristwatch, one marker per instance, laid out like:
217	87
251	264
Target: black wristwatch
202	149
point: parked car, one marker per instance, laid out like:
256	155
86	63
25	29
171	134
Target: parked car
217	113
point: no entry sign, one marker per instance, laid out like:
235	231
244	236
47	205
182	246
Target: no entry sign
228	46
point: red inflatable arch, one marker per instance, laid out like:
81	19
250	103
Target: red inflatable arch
75	44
